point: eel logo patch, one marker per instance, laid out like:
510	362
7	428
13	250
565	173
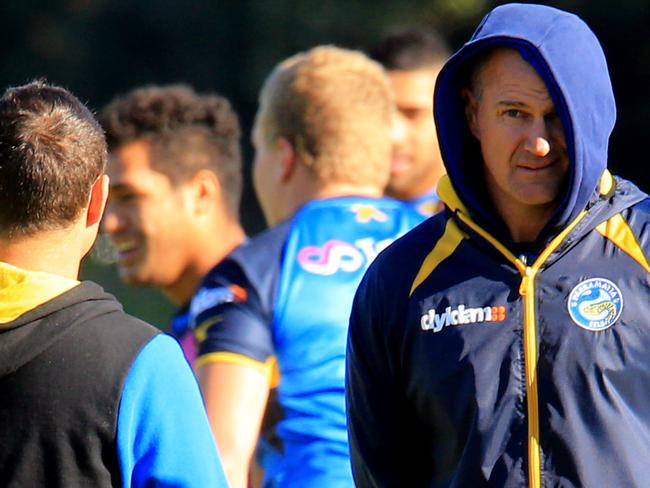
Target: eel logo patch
595	304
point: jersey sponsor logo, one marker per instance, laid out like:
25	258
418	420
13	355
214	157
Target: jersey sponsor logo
461	315
595	304
208	298
335	256
367	213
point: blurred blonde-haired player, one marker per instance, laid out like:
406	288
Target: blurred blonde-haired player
281	301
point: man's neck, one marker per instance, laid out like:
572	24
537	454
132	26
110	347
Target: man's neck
423	187
526	222
412	196
49	252
211	251
333	190
299	194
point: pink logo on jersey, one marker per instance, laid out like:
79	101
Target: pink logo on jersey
332	257
368	213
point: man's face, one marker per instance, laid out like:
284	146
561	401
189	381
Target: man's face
522	140
417	165
146	219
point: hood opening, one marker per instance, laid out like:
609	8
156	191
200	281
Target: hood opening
568	57
469	173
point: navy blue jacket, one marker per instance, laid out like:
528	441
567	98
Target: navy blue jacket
471	365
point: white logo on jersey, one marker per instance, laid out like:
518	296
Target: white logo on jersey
335	256
208	298
459	316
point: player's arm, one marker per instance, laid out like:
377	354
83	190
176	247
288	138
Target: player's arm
234	367
163	435
235	396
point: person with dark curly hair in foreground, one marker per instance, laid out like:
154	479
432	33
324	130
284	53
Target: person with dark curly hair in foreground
176	183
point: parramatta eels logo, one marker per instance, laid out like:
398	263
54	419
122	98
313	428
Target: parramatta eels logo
595	304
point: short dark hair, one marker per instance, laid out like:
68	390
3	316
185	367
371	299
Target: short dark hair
188	132
410	49
51	152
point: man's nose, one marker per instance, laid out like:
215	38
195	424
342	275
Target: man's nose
541	147
538	141
400	129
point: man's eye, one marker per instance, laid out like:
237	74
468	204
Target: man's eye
415	113
516	114
552	117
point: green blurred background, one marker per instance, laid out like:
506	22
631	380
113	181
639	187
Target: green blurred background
98	48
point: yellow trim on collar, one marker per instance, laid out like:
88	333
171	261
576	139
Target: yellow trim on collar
444	248
22	290
617	230
606	183
449	240
448	195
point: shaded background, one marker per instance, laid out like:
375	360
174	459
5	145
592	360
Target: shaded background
98	48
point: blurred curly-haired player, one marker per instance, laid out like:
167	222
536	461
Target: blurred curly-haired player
176	182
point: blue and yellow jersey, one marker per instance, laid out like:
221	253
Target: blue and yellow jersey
181	329
426	204
284	299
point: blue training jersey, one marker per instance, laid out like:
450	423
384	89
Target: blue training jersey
286	295
180	328
426	204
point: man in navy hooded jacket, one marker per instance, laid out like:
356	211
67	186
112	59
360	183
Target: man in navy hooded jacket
504	342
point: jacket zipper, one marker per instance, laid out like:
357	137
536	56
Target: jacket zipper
527	292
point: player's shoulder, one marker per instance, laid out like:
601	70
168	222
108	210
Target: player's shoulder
254	258
402	259
354	204
247	275
361	207
418	241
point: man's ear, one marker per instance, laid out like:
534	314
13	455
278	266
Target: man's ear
97	201
288	159
205	189
471	110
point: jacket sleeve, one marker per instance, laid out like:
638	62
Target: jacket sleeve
381	427
163	435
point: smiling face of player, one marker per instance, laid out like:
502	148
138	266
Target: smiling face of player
146	219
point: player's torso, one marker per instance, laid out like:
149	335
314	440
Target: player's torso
327	251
